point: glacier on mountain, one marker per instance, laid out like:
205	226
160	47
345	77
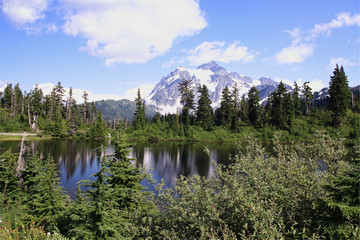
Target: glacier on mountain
166	95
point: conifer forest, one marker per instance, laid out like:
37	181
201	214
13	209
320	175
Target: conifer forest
296	174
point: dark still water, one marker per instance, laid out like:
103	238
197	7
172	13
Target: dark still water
78	160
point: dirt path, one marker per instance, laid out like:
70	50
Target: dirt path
18	134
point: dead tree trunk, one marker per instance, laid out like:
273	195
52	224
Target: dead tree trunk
20	161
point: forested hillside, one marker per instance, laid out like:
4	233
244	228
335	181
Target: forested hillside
122	108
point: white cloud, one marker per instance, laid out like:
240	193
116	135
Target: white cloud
25	11
295	54
2	86
286	81
173	62
303	46
219	51
130	94
317	84
342	19
145	90
131	31
340	61
296	35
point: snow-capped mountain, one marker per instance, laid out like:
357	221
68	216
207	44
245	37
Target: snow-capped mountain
166	95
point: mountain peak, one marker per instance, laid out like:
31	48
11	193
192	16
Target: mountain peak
212	66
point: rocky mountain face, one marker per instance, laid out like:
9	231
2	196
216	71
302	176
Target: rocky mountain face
166	95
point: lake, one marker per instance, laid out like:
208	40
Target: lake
78	160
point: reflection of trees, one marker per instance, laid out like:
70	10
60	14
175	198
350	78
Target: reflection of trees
167	160
69	155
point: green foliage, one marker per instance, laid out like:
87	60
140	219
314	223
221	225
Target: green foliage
340	95
308	97
296	100
139	114
98	130
224	114
254	107
204	110
44	199
22	232
9	182
8	123
187	100
259	196
343	196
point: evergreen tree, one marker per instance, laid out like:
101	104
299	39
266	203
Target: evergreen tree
296	100
187	100
277	112
254	110
236	117
343	195
289	111
103	215
74	222
45	200
125	179
340	95
74	120
58	94
98	129
226	111
244	116
35	105
85	106
18	107
308	97
6	101
204	109
9	182
139	115
93	112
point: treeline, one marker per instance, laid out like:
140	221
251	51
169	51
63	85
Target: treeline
300	191
35	111
285	110
295	112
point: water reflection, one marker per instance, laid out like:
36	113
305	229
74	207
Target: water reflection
169	161
78	160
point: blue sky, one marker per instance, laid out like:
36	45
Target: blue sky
111	47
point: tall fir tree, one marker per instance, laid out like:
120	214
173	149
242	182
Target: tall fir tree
289	111
85	106
139	115
18	107
244	116
125	179
340	95
343	197
226	111
35	105
45	201
308	97
254	110
103	215
187	100
236	117
277	112
6	100
204	111
296	99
